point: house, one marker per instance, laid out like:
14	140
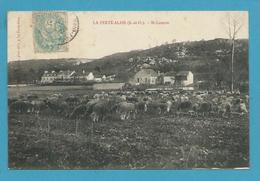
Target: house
90	76
145	76
111	77
48	77
184	78
98	78
82	76
169	78
67	75
104	78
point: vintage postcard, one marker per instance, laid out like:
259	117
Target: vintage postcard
128	90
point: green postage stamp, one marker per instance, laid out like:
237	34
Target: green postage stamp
50	32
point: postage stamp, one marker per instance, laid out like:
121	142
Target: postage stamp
50	31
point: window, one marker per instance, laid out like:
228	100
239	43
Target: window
138	80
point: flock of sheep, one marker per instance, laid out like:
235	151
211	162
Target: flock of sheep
129	104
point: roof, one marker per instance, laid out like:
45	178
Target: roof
63	73
67	72
183	73
171	73
48	74
150	72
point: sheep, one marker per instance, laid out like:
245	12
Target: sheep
205	108
131	99
126	110
169	106
185	106
72	100
20	107
78	112
39	106
141	107
239	108
155	107
224	108
99	109
57	107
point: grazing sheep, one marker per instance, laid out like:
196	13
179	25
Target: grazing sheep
39	106
239	108
247	99
141	107
195	109
205	108
131	99
57	107
185	106
78	112
89	107
85	99
154	107
101	109
72	100
123	98
126	110
224	108
169	106
20	107
242	108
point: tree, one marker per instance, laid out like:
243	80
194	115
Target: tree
233	25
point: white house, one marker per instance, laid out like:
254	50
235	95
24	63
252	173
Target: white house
48	77
111	77
169	78
145	76
184	78
90	76
104	78
98	79
66	75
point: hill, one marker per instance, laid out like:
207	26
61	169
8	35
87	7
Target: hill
208	60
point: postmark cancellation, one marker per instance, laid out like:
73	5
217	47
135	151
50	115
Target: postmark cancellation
50	31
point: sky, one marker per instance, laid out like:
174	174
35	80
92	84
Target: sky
97	37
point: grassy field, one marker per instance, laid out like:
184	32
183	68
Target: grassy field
149	142
43	91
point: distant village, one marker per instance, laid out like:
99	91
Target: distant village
145	76
73	76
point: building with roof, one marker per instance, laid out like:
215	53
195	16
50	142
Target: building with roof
48	77
67	75
64	76
184	78
145	76
90	76
169	78
82	76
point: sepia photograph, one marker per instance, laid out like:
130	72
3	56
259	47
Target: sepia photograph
122	90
